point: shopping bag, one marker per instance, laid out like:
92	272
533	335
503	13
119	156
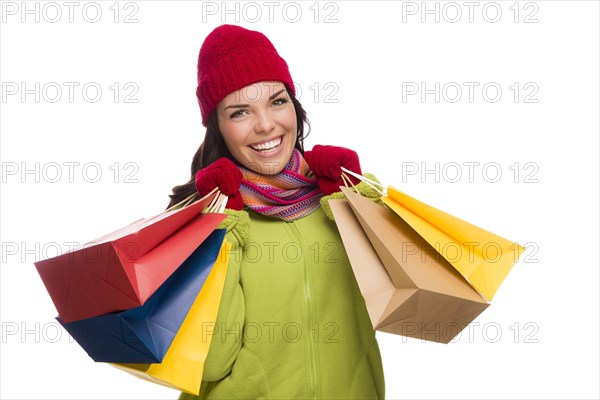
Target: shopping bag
409	289
183	365
144	334
123	269
483	258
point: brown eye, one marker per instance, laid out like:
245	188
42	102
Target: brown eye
237	114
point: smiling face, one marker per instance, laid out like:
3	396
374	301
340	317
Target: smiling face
258	124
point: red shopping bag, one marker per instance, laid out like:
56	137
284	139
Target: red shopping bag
123	269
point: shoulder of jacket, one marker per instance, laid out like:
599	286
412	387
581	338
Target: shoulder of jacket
363	188
237	225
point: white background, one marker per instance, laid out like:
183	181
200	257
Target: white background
538	339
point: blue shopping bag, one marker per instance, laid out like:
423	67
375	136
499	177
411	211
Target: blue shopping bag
143	334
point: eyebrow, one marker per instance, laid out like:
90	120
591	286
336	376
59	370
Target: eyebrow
246	105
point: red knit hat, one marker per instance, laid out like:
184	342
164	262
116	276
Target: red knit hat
233	57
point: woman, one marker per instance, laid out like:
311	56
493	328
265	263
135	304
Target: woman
292	322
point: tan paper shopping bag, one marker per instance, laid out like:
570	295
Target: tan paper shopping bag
409	289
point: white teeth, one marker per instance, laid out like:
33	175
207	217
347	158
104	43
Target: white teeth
267	146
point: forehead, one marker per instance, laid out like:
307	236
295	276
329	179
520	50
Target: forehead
253	93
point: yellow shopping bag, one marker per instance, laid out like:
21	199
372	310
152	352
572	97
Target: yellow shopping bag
183	365
483	258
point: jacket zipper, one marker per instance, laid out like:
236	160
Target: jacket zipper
312	374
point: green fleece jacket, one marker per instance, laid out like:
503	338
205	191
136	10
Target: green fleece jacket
292	323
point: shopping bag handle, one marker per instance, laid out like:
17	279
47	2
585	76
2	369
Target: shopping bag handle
366	180
217	204
183	203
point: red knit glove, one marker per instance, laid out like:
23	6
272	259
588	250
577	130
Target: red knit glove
226	176
326	163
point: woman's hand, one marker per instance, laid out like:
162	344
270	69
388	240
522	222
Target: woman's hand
326	163
222	174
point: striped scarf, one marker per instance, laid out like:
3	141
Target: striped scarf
291	194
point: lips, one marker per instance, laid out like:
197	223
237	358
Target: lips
267	146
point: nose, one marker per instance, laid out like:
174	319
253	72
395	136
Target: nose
265	122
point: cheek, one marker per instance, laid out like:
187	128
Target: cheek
289	121
233	138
